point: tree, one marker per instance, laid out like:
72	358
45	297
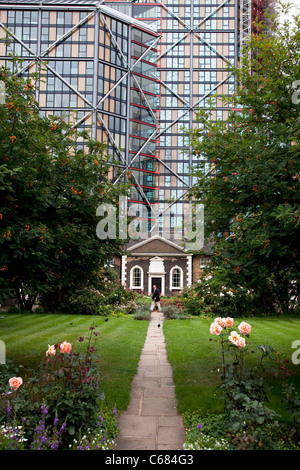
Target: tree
50	189
252	192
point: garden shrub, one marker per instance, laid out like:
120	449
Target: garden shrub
89	300
116	294
250	423
171	312
142	312
214	298
127	308
192	301
205	431
100	437
63	392
84	302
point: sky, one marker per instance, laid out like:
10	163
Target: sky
295	8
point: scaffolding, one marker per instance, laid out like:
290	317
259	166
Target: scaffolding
245	23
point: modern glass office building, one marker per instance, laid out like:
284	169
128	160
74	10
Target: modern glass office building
135	73
199	39
99	71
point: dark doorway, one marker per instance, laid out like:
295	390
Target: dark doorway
156	281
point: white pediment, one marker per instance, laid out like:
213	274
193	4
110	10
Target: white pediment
156	266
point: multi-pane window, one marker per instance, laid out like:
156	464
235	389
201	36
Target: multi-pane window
24	25
137	278
204	262
176	278
167	180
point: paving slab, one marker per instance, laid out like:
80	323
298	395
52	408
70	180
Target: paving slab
151	421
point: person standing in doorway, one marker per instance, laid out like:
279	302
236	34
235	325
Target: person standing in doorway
155	299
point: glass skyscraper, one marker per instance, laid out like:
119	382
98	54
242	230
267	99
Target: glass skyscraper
135	73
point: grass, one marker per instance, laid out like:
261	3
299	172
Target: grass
193	356
194	359
119	345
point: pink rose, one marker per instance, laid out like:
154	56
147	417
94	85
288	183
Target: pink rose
237	340
215	329
244	328
51	350
241	343
220	321
234	337
229	322
15	382
65	347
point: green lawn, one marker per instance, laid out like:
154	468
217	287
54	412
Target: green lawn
119	345
194	359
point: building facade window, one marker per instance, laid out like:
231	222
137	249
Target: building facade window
136	278
204	262
176	278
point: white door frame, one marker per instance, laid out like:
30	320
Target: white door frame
162	277
156	269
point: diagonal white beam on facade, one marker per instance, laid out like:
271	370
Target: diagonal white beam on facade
67	34
176	43
174	173
129	70
184	194
156	220
39	58
152	136
212	13
180	20
59	40
67	84
145	98
115	42
212	47
192	30
175	94
181	196
192	108
143	194
111	137
136	81
197	34
10	33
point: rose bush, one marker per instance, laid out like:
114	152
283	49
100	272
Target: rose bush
250	422
15	382
56	403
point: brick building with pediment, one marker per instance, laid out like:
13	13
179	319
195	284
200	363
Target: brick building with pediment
161	262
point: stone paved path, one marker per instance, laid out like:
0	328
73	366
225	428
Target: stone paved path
151	421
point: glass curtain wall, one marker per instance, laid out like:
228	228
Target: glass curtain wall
98	72
198	41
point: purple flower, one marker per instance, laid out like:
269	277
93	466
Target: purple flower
44	410
62	428
114	410
100	421
199	426
56	421
54	445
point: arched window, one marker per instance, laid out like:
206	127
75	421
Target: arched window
176	278
136	278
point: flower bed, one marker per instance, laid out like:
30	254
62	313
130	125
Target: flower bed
59	406
246	423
